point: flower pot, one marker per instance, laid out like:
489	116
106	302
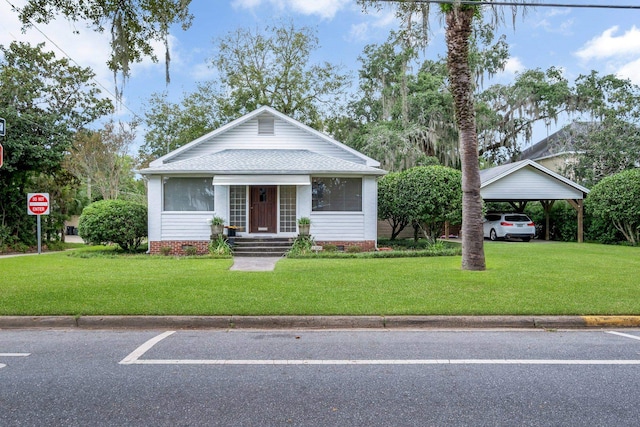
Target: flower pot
216	229
304	229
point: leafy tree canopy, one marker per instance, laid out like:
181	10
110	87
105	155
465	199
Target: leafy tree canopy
134	25
172	125
270	67
44	101
273	67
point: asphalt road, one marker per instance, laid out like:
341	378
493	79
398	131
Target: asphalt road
319	378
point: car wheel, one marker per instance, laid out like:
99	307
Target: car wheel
492	235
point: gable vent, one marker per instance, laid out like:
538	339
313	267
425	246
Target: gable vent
266	126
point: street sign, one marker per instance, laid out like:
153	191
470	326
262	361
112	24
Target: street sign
38	203
3	123
1	155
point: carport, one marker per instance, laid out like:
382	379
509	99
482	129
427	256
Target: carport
525	181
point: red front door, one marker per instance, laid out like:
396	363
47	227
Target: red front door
263	206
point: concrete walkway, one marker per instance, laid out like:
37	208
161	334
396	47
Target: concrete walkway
254	263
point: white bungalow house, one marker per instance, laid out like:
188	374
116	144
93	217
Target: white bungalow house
261	173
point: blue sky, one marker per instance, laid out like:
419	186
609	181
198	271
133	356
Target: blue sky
577	40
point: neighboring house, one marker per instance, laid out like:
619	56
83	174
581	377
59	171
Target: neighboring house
557	152
261	173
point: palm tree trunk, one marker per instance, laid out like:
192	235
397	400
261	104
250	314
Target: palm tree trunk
458	32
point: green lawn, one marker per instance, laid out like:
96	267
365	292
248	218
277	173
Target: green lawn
522	278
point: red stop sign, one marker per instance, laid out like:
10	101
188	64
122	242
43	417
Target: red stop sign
38	203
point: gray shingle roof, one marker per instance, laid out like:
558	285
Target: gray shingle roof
281	162
557	143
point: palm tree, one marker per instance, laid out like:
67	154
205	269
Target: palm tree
458	20
458	30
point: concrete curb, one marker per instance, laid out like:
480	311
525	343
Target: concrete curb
318	322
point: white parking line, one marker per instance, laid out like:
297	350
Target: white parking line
623	335
134	359
384	362
138	352
2	365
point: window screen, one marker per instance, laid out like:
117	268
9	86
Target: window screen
337	194
188	194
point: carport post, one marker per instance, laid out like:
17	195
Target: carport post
578	205
547	205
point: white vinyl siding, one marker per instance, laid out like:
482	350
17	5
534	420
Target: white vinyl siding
186	226
286	136
529	184
337	226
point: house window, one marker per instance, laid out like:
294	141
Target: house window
266	126
238	205
188	194
287	208
337	194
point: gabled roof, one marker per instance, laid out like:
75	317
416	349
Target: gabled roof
556	144
276	162
247	117
495	174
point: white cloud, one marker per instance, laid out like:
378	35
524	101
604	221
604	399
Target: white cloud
630	71
608	45
326	9
202	72
549	24
557	12
618	53
359	32
370	30
159	51
513	66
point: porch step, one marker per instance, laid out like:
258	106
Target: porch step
261	246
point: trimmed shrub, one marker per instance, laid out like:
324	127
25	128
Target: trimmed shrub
616	200
114	221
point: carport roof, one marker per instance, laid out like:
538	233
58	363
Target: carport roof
527	180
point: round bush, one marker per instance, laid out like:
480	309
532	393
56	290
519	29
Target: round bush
616	200
114	221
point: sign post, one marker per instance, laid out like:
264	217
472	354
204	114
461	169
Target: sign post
38	204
